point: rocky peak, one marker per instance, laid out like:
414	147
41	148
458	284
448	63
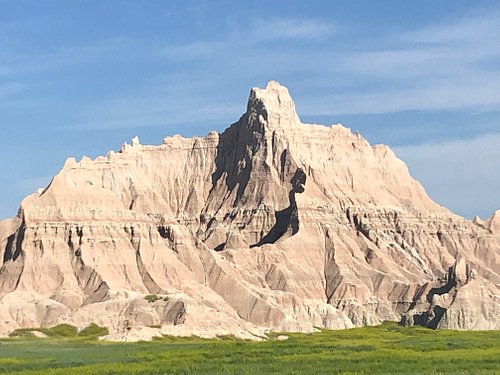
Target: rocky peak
494	222
272	106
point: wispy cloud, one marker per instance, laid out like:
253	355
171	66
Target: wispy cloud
190	51
439	67
190	96
179	102
10	88
478	92
33	183
290	28
454	169
442	66
469	28
4	70
257	33
16	64
152	116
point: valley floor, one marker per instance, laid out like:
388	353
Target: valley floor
387	349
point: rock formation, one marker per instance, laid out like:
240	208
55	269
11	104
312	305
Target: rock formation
272	224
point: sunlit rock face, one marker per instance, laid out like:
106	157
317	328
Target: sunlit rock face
271	225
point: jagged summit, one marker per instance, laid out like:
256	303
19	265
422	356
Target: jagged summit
273	105
271	224
494	222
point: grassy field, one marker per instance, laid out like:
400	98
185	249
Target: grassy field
387	349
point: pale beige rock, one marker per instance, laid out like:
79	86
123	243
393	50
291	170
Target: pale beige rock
494	222
271	225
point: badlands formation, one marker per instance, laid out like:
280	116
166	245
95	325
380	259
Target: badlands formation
271	225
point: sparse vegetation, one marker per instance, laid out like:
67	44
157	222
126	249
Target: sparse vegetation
152	298
62	331
387	349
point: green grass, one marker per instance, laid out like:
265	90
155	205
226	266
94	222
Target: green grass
387	349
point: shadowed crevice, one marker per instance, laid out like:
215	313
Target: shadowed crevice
331	269
148	281
287	220
91	283
233	162
13	260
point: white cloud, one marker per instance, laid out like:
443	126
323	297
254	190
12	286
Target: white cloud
462	175
259	32
151	116
19	64
441	66
467	29
449	65
465	92
178	102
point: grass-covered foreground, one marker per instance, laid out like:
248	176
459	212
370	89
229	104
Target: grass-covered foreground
387	349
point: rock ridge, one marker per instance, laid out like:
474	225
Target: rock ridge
270	225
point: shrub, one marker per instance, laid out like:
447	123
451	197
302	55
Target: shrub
22	332
61	330
93	330
151	298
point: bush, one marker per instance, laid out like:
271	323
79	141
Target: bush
61	330
22	332
93	330
151	298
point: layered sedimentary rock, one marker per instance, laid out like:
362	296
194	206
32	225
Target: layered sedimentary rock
272	224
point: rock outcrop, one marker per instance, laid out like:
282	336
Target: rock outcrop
272	224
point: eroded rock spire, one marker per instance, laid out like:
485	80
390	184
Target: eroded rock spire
273	106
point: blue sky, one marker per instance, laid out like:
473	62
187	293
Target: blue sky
81	77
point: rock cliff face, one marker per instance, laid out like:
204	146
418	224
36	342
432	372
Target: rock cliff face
272	224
